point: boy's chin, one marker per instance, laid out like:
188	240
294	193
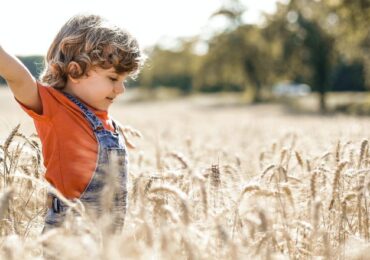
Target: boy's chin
101	107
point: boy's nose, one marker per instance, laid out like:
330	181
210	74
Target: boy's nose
119	88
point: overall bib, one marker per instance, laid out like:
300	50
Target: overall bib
110	175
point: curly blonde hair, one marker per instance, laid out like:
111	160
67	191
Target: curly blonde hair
90	41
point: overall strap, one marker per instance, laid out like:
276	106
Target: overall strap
89	115
116	126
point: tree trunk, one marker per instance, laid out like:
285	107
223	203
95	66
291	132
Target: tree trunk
257	93
322	97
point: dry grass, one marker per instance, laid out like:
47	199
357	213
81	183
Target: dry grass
208	183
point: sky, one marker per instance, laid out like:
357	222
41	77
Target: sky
28	27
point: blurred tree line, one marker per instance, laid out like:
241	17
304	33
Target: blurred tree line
323	43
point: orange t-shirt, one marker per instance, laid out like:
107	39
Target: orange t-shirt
69	146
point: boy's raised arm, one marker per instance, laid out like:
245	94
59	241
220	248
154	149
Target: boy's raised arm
20	81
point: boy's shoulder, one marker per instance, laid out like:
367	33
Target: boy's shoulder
51	99
46	89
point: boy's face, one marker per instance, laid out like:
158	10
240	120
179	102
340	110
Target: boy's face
99	88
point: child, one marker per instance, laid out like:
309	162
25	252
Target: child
86	67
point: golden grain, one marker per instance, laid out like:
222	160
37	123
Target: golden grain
285	208
364	145
335	184
10	137
181	196
181	158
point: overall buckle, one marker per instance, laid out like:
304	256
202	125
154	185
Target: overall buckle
56	205
53	203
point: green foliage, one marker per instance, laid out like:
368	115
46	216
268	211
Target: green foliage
348	77
236	60
170	68
322	43
33	63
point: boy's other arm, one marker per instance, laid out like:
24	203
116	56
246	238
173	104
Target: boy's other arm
20	81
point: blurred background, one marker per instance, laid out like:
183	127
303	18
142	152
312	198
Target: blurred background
310	56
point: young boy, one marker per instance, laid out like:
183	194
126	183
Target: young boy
86	67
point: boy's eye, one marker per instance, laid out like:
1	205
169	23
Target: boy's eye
112	79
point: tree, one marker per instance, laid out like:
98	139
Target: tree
238	57
171	68
349	23
237	60
307	49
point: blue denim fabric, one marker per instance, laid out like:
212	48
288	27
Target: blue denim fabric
110	145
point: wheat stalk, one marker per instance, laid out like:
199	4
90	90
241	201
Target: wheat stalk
336	183
364	145
181	158
181	196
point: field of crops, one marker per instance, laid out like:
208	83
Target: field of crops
210	179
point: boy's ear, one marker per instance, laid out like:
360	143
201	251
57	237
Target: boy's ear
74	71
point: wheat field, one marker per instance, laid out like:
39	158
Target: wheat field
210	179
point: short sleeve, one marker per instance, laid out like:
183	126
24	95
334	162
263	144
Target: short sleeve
49	104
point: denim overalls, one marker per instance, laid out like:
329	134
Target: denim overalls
111	146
